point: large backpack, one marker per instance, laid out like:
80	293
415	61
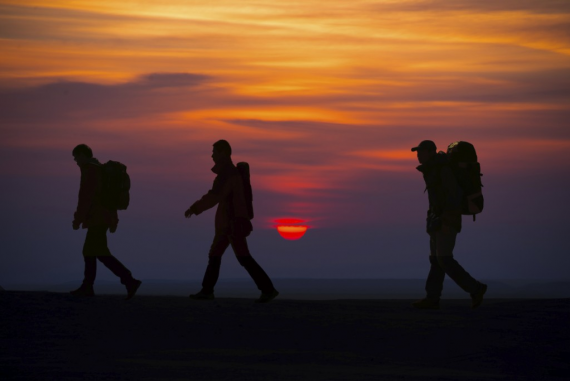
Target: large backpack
243	169
241	227
463	161
116	184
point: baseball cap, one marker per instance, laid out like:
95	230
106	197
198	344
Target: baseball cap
425	145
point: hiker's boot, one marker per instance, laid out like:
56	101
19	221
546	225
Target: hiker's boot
426	304
202	296
83	291
132	288
477	298
267	297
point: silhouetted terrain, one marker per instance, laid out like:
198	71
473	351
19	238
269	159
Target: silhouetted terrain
53	336
321	289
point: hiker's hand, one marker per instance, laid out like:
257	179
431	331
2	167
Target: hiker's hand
75	226
188	213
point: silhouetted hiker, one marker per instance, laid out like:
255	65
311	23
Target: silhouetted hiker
232	225
92	215
443	224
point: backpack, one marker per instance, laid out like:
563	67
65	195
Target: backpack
243	169
462	159
116	184
241	227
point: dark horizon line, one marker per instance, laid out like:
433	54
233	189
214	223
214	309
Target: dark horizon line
187	280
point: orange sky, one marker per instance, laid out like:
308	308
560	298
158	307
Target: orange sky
314	93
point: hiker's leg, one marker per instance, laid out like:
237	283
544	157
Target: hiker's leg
434	282
117	268
261	279
445	243
219	246
90	271
95	245
96	242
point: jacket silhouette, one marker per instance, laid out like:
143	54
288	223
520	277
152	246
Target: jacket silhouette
90	210
444	193
227	192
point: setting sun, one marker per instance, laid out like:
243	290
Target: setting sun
289	229
292	232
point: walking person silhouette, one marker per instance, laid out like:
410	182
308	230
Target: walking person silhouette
443	224
232	225
93	215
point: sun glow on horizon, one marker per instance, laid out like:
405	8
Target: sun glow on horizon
292	232
290	229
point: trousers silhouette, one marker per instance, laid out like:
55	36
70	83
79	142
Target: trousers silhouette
442	263
241	250
95	248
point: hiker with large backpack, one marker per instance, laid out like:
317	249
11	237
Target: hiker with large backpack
103	190
453	184
232	193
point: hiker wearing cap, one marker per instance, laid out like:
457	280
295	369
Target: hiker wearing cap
232	224
443	224
92	214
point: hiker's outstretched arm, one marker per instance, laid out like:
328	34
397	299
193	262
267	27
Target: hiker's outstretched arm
219	191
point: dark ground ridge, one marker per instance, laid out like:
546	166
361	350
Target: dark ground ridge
55	336
320	289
